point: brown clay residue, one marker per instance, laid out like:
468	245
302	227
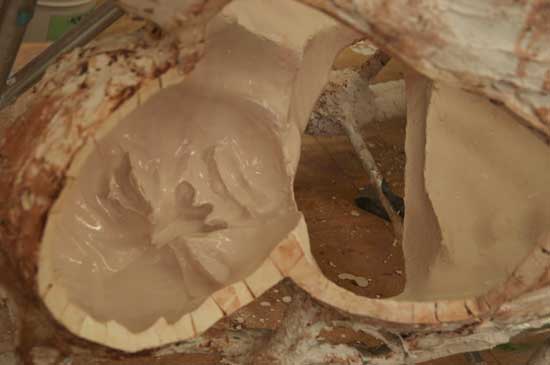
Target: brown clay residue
534	35
125	94
190	62
20	140
543	114
83	68
32	228
28	185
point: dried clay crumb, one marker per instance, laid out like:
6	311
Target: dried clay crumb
358	280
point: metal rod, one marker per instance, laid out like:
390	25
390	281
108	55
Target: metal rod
14	17
475	358
93	24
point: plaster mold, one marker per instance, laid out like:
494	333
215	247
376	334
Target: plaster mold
133	182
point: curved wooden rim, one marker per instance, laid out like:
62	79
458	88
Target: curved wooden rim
295	261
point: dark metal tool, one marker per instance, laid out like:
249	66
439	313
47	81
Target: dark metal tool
368	200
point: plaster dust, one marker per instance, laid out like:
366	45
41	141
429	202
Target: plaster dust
192	190
488	180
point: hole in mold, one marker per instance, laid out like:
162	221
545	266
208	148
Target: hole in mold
477	199
354	248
